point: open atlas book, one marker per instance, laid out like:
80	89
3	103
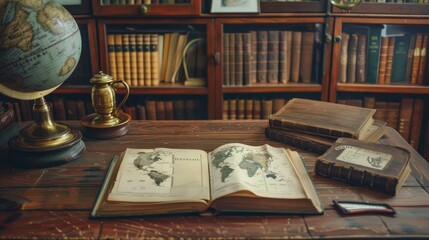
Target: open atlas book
234	177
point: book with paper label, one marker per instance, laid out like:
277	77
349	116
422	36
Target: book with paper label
232	178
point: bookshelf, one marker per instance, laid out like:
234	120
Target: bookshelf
100	20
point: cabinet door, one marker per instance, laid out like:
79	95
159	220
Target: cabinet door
382	63
146	7
160	59
267	59
402	7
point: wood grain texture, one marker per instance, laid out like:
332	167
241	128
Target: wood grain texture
56	202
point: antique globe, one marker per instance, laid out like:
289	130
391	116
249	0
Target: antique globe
40	46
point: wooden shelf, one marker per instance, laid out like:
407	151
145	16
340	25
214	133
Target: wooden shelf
274	88
378	88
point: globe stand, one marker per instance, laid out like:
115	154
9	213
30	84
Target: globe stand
45	143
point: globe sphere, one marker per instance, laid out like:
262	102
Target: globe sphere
40	46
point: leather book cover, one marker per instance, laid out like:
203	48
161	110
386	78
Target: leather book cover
160	110
226	63
351	58
141	112
247	58
285	49
225	109
273	57
249	108
232	59
323	118
126	58
241	109
410	56
416	58
381	107
361	53
262	56
368	102
147	60
373	56
154	59
383	60
253	57
405	115
296	55
119	53
377	166
140	59
151	109
400	56
169	113
239	59
257	109
416	123
278	103
392	114
267	108
423	59
318	66
342	68
233	109
306	64
133	60
165	52
111	55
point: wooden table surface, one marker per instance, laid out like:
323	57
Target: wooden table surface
55	202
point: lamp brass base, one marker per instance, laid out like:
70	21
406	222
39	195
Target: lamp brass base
45	143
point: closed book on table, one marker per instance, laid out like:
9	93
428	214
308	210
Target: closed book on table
324	118
378	166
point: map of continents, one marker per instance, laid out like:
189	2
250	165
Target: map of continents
40	44
145	162
250	161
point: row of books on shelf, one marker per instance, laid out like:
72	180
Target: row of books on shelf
146	59
249	108
271	56
405	115
346	137
76	109
139	2
397	1
373	54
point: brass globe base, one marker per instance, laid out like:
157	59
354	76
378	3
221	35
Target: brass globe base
45	143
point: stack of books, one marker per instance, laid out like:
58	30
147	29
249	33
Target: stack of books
314	126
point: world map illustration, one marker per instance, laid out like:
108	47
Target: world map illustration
251	161
146	162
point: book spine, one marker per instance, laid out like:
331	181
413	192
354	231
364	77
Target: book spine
410	55
416	123
294	141
226	63
247	56
154	59
140	59
351	58
267	108
238	48
111	55
361	53
231	59
285	55
147	60
249	109
233	109
373	56
342	71
405	115
296	55
306	57
356	177
273	57
416	58
119	57
262	56
127	58
257	109
133	58
253	57
422	62
241	109
399	63
383	60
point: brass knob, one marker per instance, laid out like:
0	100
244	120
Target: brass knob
144	9
337	39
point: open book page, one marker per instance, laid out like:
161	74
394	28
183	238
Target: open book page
162	174
264	170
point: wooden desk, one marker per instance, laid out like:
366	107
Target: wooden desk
55	202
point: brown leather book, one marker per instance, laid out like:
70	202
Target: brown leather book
389	60
416	58
111	55
381	107
160	110
166	48
351	58
342	69
416	123
141	112
226	63
233	109
273	57
296	55
249	109
267	108
377	166
140	59
410	56
154	59
239	56
423	60
324	118
285	49
179	109
247	55
262	56
278	103
257	109
369	102
253	57
147	60
119	53
306	64
232	59
127	58
361	52
241	109
169	112
307	142
383	60
133	59
151	109
405	115
392	114
225	109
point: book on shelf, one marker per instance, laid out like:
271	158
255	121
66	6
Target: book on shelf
232	178
306	64
377	166
296	55
285	55
351	58
324	118
342	70
273	56
361	53
400	57
262	56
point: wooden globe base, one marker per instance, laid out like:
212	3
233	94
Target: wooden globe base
45	143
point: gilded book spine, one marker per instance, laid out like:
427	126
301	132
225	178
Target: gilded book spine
147	60
356	177
296	55
262	56
273	57
127	58
140	59
119	57
154	59
133	58
111	55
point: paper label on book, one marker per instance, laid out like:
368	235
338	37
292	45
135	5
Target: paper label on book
364	157
264	170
